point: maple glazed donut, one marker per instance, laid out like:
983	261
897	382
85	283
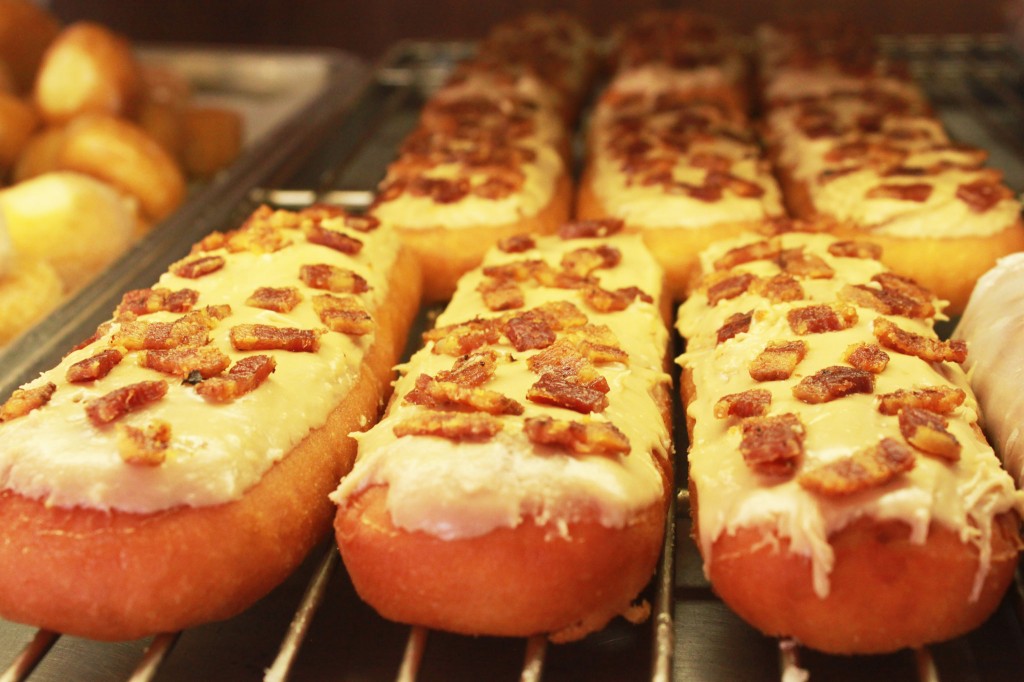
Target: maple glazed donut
841	489
175	467
533	423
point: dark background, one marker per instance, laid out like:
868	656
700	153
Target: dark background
368	27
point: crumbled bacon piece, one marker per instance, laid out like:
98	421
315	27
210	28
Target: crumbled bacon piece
778	289
119	402
24	400
332	239
144	447
194	268
819	319
332	278
763	250
981	195
517	243
909	343
565	360
95	367
529	330
773	445
245	376
268	337
778	360
605	301
907	288
927	432
582	229
579	438
278	299
884	301
584	261
752	403
100	332
501	294
472	369
182	362
444	395
868	468
191	329
726	286
257	238
146	301
457	426
440	190
598	344
552	389
799	263
918	191
832	383
498	187
517	270
737	323
343	314
937	399
561	315
855	249
866	356
361	223
460	339
211	242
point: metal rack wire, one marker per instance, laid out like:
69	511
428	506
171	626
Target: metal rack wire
314	626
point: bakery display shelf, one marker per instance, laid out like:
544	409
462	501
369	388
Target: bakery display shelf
314	627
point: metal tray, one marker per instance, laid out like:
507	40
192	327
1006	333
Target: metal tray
314	627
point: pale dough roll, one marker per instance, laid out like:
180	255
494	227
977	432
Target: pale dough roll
75	223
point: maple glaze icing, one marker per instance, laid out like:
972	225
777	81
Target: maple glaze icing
964	496
217	450
465	489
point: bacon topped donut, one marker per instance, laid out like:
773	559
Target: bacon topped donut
533	422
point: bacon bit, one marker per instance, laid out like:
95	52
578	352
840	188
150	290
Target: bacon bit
144	447
582	262
267	337
459	339
927	432
529	330
561	315
752	403
565	360
605	301
264	216
583	229
121	401
982	195
146	301
725	286
191	329
778	289
440	190
598	344
819	319
560	279
801	264
763	250
334	279
432	393
457	426
24	400
884	301
855	249
517	243
908	288
832	383
773	445
519	270
257	238
778	360
552	389
100	332
908	343
578	438
737	323
211	242
937	399
496	187
918	191
332	239
345	314
182	362
472	369
278	299
197	267
501	294
868	357
361	223
865	469
96	367
245	376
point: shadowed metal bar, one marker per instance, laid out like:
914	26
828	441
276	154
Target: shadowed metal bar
533	662
29	657
154	656
413	655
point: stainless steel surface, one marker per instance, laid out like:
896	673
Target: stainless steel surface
314	627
